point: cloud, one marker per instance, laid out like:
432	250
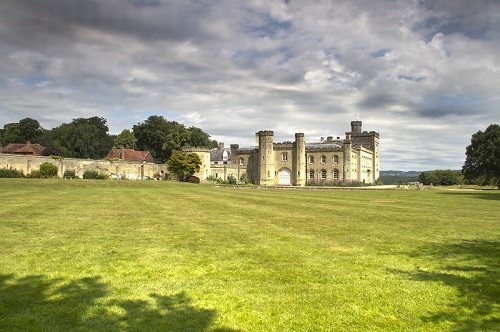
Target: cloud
233	68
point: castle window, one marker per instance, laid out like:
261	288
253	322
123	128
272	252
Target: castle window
251	161
242	161
335	159
335	174
284	157
323	174
311	159
311	174
323	159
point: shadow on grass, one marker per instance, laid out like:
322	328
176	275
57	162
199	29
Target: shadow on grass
37	303
472	268
492	195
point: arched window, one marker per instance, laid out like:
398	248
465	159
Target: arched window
311	174
242	161
284	157
311	159
335	174
323	174
251	161
335	159
323	159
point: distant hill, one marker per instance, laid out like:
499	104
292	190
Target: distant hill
395	177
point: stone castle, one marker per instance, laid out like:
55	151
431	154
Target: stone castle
269	163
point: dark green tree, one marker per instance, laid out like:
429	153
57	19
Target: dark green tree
162	137
441	177
11	133
199	138
183	165
27	129
125	140
151	136
83	138
483	156
31	130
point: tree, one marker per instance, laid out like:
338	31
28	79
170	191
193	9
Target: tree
184	164
483	156
83	138
151	136
27	129
125	140
441	177
162	137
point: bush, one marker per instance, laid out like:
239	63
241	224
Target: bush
10	173
34	175
102	176
69	174
88	174
48	170
94	175
231	180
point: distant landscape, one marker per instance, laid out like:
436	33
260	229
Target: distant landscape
395	177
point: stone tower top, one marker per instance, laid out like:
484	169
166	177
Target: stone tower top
356	126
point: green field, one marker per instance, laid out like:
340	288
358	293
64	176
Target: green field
133	256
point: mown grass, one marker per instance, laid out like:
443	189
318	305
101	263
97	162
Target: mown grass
122	255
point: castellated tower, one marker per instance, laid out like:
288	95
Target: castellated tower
356	127
266	158
299	160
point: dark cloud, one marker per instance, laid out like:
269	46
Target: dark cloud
412	69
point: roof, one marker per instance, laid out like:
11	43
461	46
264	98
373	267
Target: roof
217	154
27	148
130	155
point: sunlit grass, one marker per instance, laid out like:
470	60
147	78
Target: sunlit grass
125	255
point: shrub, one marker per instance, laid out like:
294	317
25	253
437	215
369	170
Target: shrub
231	180
9	173
102	176
69	174
48	170
94	175
34	175
90	174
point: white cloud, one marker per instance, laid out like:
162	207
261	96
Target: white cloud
412	69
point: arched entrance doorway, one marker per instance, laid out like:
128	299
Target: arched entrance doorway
284	177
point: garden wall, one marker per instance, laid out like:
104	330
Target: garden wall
124	169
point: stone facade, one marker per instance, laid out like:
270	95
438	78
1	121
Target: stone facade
123	169
269	163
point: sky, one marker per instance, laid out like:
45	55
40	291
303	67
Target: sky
424	74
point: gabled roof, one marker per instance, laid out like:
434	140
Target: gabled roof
130	155
24	148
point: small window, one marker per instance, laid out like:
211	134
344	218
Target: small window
251	161
311	159
335	174
323	159
323	174
335	159
284	157
242	161
311	174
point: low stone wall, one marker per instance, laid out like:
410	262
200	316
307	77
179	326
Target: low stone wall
123	169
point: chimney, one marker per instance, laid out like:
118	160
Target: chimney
221	146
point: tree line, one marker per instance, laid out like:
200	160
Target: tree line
89	137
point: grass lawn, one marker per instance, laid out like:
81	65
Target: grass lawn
132	256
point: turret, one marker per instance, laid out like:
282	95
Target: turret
299	164
266	158
356	126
